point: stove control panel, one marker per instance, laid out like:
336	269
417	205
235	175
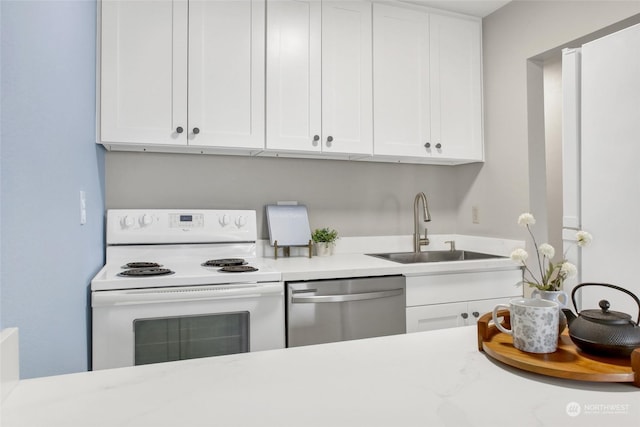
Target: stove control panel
146	220
186	220
153	226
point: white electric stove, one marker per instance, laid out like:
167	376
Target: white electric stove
181	284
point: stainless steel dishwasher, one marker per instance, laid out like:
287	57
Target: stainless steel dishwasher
325	311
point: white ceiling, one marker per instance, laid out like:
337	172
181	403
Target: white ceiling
479	8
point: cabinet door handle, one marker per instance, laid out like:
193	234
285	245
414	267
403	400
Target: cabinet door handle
476	314
427	145
329	140
196	131
438	146
316	138
464	315
179	129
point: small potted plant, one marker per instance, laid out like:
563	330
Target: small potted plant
324	240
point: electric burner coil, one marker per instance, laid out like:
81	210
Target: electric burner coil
224	262
141	264
146	272
238	269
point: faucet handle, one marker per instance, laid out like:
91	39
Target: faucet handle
452	244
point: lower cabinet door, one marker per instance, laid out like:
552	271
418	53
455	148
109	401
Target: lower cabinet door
449	315
436	316
479	308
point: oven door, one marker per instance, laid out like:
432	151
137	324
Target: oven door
141	326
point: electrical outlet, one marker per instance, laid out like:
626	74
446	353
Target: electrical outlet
475	215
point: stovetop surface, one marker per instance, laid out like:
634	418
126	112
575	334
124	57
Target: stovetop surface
180	240
186	273
186	263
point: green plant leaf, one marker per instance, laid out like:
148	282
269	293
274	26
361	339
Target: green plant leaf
324	235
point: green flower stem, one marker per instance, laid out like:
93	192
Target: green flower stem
537	284
564	255
535	245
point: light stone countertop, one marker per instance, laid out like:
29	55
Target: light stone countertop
350	259
360	265
435	378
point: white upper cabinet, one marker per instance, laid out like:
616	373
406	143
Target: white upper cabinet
183	73
401	81
348	79
293	75
427	85
319	76
456	87
226	73
347	105
143	79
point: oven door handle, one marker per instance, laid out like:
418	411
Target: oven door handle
183	294
346	297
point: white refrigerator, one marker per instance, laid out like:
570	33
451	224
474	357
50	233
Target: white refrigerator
601	166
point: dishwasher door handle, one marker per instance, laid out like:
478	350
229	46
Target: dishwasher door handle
347	297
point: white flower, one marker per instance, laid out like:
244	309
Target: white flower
547	250
526	219
551	275
519	255
584	238
568	270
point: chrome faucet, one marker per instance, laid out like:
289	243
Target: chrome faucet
417	239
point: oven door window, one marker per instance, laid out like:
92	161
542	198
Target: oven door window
189	337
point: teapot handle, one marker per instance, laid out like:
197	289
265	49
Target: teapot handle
631	294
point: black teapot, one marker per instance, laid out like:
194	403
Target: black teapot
603	332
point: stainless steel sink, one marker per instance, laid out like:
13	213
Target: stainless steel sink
433	256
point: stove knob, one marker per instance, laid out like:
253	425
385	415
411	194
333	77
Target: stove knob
145	220
127	221
241	221
224	220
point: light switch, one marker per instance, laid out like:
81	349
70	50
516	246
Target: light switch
83	208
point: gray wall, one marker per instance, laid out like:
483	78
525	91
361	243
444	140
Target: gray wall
376	198
511	35
356	198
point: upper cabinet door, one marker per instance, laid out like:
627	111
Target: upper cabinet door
400	81
226	73
143	72
456	87
347	122
294	75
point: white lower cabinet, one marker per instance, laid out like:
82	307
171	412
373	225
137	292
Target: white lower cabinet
450	300
452	315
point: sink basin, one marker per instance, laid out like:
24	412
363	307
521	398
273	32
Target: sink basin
433	256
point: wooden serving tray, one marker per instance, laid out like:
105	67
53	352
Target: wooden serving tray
566	362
